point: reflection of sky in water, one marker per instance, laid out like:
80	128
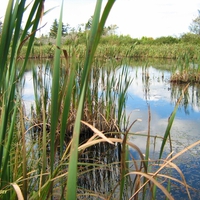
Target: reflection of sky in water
157	92
28	92
28	89
158	96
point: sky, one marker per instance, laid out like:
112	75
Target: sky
137	18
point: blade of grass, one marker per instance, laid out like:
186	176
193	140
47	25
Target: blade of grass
168	162
171	120
147	150
95	34
123	160
55	92
37	10
18	191
150	178
5	40
67	102
167	132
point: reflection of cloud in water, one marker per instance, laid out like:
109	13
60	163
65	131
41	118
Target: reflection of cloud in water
183	132
28	92
155	89
156	85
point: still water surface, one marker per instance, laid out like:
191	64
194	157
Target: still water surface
151	87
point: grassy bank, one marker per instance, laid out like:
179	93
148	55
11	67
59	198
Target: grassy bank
167	51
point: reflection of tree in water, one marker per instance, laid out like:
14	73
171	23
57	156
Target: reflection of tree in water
191	96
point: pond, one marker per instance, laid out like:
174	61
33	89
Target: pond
150	87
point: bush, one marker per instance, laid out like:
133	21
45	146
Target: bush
190	38
166	40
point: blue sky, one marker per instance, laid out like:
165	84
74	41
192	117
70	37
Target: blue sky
151	18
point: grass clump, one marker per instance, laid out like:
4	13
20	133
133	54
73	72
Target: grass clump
186	71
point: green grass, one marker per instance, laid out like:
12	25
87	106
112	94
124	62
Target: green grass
75	130
108	50
186	70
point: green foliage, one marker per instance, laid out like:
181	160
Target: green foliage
11	42
117	40
166	40
54	29
147	40
49	165
190	38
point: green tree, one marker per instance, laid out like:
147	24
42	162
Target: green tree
190	38
54	29
195	25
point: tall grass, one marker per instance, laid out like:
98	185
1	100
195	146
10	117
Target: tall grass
60	153
108	50
186	70
11	40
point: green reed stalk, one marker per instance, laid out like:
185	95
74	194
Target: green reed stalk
171	120
55	92
44	99
72	172
68	90
124	167
123	83
147	151
94	37
10	45
31	23
167	132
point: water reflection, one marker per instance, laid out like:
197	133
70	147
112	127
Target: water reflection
151	86
102	175
191	97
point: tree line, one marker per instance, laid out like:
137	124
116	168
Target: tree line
66	29
109	34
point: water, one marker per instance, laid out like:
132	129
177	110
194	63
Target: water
151	87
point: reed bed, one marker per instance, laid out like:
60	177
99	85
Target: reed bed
77	129
186	70
166	51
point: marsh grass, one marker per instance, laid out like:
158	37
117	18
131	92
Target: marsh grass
186	70
118	51
77	133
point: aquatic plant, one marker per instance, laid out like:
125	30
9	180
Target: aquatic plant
38	159
186	70
11	42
